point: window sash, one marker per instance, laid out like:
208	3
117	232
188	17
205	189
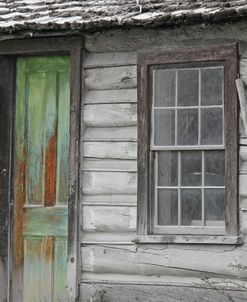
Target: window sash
225	55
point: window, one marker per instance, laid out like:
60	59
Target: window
187	158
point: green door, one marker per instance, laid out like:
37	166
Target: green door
41	179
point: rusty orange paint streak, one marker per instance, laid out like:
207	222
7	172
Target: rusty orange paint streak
48	246
19	200
50	171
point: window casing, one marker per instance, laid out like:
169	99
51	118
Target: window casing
187	136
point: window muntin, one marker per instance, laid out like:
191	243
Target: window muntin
187	142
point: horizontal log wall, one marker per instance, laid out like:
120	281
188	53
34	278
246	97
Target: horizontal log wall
114	268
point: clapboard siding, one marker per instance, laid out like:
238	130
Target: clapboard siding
112	292
111	78
111	96
166	260
109	145
110	134
109	183
110	59
109	165
109	219
110	199
116	150
110	115
109	238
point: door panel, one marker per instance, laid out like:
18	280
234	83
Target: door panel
41	179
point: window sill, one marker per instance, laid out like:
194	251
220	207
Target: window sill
188	239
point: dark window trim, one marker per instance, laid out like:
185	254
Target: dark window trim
227	54
9	51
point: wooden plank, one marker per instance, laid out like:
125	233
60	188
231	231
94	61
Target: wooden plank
110	59
126	292
112	199
73	265
110	78
111	134
109	183
50	141
63	137
242	101
109	165
60	265
169	260
40	45
110	115
243	160
134	39
6	84
38	269
114	150
111	96
35	137
110	238
46	221
108	219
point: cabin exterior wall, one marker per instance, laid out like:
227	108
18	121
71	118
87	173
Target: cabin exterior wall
114	268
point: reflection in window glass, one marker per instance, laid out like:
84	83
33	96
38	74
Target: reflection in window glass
212	123
214	168
215	204
167	168
164	131
188	87
167	207
164	88
211	86
188	127
191	207
191	168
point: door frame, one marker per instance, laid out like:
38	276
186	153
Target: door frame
9	51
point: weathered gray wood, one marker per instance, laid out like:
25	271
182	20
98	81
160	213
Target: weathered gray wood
111	96
242	185
112	199
109	165
6	95
108	219
108	59
137	38
73	262
111	238
111	134
109	183
116	150
242	101
110	115
110	78
243	159
189	239
125	293
166	260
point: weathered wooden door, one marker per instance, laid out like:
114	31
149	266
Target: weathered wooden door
41	179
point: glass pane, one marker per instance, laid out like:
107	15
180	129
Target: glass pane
167	207
167	168
212	120
188	87
191	207
164	88
187	127
214	205
191	168
212	86
164	121
214	168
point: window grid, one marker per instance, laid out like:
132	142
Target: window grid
180	149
